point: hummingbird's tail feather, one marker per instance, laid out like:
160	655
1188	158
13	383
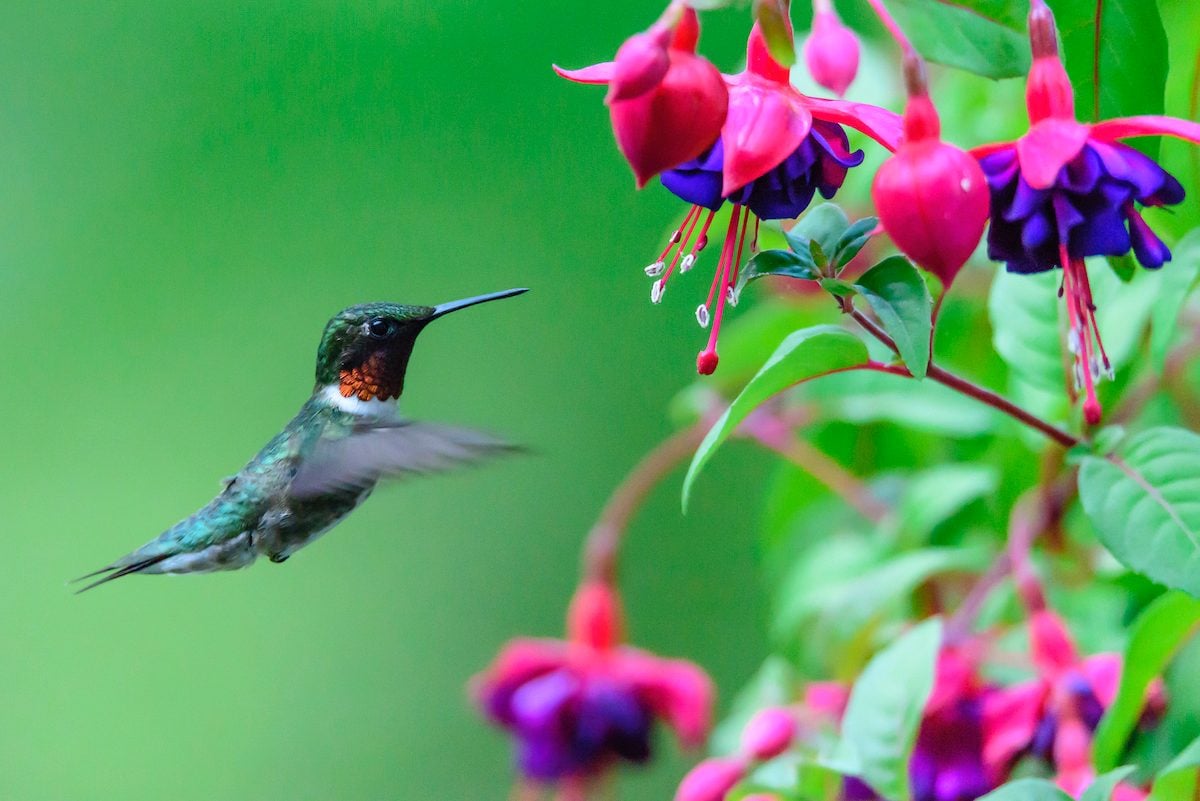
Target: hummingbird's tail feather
118	570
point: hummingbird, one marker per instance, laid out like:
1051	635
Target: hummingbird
328	459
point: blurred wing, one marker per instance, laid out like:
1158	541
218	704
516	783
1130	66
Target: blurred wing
357	461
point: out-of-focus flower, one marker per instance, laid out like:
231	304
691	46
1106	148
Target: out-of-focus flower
667	104
769	733
712	779
577	707
778	148
1054	716
831	50
931	197
1067	190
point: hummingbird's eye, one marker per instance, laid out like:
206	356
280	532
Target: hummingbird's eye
381	327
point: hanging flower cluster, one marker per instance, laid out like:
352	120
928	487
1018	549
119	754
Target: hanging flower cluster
750	140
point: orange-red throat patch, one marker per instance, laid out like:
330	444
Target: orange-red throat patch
373	379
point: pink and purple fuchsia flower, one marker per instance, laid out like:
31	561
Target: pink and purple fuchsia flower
1066	191
776	149
576	708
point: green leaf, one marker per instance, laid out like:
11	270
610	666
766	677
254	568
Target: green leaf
1024	314
900	299
852	602
1027	790
804	355
783	263
837	287
1178	779
982	37
937	494
1123	267
1178	279
1101	788
1156	635
885	708
824	226
1115	52
1144	502
853	240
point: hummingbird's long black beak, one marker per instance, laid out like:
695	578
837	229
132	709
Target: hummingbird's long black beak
442	309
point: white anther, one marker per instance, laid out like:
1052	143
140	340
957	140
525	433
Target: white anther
1096	368
656	291
656	269
675	237
1078	376
1109	372
1073	342
688	262
702	315
732	295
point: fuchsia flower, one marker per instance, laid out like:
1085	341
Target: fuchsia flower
577	707
777	149
768	734
667	104
931	197
1053	717
1068	190
831	50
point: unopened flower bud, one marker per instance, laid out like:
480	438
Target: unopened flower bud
769	733
640	64
711	780
831	52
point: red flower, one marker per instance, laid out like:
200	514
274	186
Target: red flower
667	104
576	707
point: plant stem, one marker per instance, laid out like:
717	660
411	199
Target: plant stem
962	385
832	474
604	540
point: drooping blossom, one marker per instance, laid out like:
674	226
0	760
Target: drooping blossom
577	707
768	734
831	50
947	760
931	197
1054	716
1067	190
667	104
778	149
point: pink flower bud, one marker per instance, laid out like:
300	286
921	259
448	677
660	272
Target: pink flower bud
932	198
711	780
769	733
640	64
831	52
595	616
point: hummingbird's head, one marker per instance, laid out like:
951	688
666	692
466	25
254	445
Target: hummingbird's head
365	349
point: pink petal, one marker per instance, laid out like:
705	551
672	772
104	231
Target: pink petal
596	74
769	733
1148	125
711	780
765	123
884	126
1125	792
678	691
1047	147
519	661
1010	717
1051	646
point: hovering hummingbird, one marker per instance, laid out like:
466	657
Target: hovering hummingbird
326	461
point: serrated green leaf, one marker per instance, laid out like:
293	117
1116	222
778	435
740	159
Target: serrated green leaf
804	355
1179	277
1144	502
981	37
1101	788
1155	637
1024	314
884	712
1027	790
1116	55
900	299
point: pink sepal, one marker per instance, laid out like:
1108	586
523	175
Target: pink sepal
827	698
1010	717
1050	643
766	121
677	691
595	74
769	733
1147	125
1048	147
711	780
519	661
982	151
1103	673
884	126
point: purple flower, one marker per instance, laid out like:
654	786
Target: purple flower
1089	208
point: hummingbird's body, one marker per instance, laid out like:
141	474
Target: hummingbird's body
326	461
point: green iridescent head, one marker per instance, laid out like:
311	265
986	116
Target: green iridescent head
365	349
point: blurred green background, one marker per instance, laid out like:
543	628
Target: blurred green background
190	190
